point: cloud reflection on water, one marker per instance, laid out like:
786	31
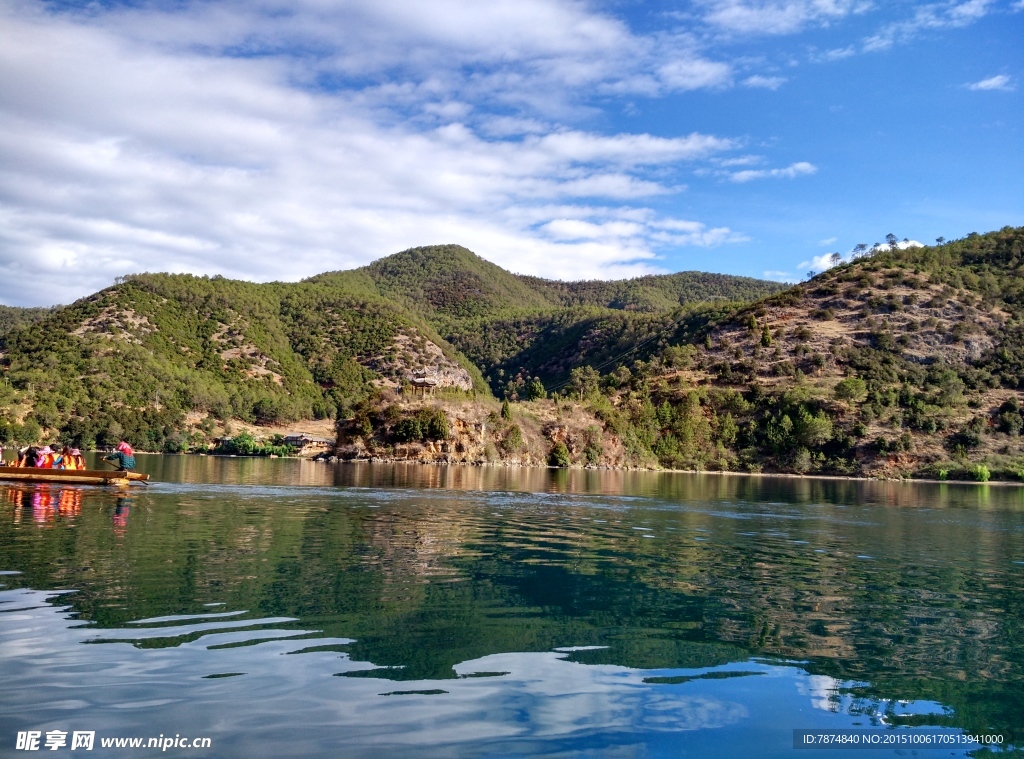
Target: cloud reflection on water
535	703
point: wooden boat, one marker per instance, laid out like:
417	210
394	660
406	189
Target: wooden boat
71	476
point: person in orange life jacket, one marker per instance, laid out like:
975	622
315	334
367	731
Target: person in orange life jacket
67	459
44	458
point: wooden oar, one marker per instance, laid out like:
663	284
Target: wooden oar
126	478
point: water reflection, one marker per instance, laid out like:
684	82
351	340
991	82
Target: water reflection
677	487
617	611
120	516
506	704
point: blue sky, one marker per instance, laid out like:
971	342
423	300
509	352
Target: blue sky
274	140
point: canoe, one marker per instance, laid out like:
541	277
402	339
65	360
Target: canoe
71	476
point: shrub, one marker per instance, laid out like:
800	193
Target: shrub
1011	423
968	437
364	427
513	440
437	426
981	473
408	430
802	460
559	455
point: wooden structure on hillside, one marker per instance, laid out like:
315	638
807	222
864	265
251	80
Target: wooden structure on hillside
423	385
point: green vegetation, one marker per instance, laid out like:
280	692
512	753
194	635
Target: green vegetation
904	362
838	376
559	455
246	444
653	293
165	359
12	318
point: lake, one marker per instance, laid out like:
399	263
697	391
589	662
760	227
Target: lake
287	608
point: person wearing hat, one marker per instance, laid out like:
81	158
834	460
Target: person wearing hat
44	458
123	457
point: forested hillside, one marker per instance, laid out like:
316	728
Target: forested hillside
172	360
653	293
900	363
516	328
903	362
11	318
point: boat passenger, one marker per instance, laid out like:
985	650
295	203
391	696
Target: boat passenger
67	458
44	458
78	458
123	457
28	456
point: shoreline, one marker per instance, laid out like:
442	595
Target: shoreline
781	475
716	472
577	468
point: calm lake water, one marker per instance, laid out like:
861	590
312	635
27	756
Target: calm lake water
297	609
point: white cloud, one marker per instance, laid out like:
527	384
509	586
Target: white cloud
780	276
821	263
640	231
764	82
933	16
693	74
577	229
835	54
136	144
743	160
828	241
801	168
628	149
998	82
776	16
900	245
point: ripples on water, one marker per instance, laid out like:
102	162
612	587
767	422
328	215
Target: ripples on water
517	612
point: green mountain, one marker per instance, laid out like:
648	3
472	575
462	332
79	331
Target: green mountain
514	327
905	362
654	293
169	359
901	363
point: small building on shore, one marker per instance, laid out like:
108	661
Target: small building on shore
307	445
